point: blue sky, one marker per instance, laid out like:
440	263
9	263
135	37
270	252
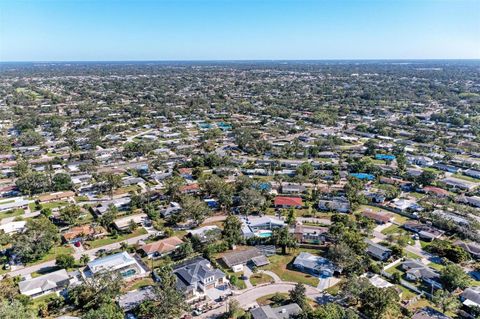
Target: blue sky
77	30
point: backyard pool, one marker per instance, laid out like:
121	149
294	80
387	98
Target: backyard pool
264	233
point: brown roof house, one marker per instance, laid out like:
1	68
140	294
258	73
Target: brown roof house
56	196
84	232
162	247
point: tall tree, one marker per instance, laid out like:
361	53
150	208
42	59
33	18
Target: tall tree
453	276
232	230
298	295
15	310
39	237
167	302
283	238
446	300
95	292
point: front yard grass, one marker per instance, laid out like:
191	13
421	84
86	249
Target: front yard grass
114	239
335	289
53	253
280	264
260	278
12	213
137	284
279	300
51	205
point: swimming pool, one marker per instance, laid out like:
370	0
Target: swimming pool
264	233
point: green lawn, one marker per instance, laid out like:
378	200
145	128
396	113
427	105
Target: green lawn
110	239
52	254
43	299
279	264
417	195
12	213
395	269
267	300
335	289
407	294
393	229
81	198
140	283
239	283
412	255
260	278
436	266
466	178
51	205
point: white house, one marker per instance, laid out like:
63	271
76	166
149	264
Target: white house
52	282
126	265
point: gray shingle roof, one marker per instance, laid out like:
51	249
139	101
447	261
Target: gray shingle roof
282	312
240	257
195	270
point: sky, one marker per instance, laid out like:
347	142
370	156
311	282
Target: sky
121	30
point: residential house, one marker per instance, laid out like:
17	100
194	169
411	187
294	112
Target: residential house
45	284
473	200
282	312
13	227
310	234
402	205
293	189
424	231
379	217
190	189
56	196
83	232
460	183
119	203
260	226
288	202
206	233
128	266
472	173
314	265
446	168
472	248
197	275
470	297
429	313
14	204
379	282
416	270
378	251
237	259
435	191
172	209
123	223
336	204
459	220
162	247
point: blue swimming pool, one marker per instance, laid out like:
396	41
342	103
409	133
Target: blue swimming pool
366	176
264	233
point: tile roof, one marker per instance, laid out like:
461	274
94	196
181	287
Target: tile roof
162	246
288	201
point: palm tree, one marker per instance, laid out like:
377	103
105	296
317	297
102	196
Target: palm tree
84	259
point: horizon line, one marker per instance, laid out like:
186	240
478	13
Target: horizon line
245	60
